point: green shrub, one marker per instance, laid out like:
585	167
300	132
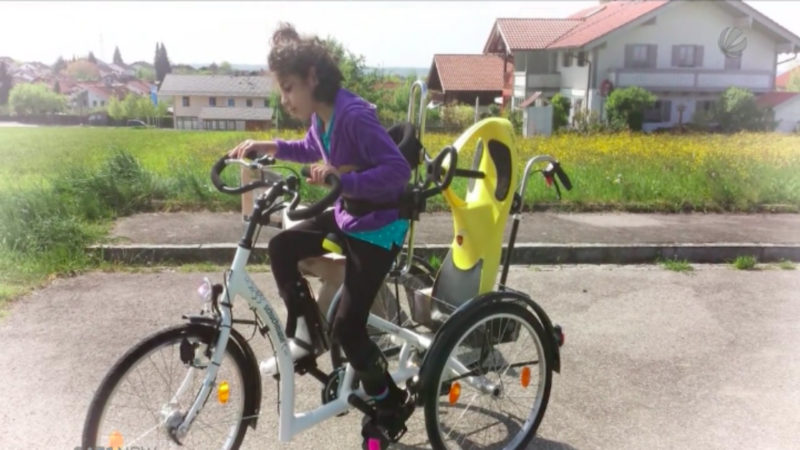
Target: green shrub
561	107
736	110
627	106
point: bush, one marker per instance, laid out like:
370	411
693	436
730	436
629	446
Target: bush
591	123
627	106
30	99
515	117
736	110
457	116
561	107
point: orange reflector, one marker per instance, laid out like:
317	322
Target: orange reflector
459	239
525	377
455	392
223	392
115	440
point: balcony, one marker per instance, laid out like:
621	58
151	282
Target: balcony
688	80
536	81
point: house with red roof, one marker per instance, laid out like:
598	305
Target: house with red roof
685	52
785	106
782	81
463	78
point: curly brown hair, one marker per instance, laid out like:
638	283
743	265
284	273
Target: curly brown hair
294	55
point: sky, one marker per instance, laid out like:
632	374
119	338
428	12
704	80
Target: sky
388	34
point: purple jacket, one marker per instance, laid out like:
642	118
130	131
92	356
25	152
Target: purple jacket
357	139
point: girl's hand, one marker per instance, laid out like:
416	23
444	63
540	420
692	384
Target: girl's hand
252	149
319	172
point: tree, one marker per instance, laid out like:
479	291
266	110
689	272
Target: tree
92	59
737	110
161	63
57	87
794	82
561	107
59	65
27	99
6	83
225	68
118	57
357	77
457	116
146	73
627	106
83	70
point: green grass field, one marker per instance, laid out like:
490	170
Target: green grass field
61	188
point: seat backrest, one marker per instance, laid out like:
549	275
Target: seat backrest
404	135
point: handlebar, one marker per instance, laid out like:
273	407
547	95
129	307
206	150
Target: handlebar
317	208
434	172
219	166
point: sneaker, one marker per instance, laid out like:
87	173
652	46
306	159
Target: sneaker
388	424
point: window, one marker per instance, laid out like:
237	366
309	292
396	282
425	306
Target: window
94	102
733	63
705	105
185	101
641	56
660	112
266	103
567	62
640	53
212	101
231	102
687	55
582	59
249	103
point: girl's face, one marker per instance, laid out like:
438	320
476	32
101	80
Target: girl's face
297	95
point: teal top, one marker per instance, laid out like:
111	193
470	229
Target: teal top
394	233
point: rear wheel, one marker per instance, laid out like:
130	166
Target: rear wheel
489	380
150	389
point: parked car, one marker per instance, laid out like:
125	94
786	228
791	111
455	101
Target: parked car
136	123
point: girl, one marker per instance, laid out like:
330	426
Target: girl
346	135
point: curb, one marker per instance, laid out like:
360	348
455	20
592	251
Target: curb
524	253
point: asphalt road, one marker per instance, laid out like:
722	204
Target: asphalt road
653	359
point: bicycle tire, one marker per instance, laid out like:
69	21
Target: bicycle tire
205	335
434	388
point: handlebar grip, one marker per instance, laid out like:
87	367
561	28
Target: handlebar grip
216	169
317	208
562	176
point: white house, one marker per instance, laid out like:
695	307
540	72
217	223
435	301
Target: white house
218	102
685	52
786	106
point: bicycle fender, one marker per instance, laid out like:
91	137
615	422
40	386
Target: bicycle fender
487	301
252	374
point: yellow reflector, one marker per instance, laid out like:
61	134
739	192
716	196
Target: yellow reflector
455	392
223	392
525	377
115	440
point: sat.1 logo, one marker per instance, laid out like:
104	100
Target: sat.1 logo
732	42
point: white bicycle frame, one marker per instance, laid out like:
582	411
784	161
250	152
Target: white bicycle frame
240	284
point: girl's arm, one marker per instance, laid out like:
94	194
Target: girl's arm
302	150
388	169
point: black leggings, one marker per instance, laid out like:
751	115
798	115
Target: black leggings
365	270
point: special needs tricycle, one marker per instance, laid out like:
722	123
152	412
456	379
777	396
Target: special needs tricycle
478	355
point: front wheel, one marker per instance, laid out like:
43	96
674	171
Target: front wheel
150	389
489	380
